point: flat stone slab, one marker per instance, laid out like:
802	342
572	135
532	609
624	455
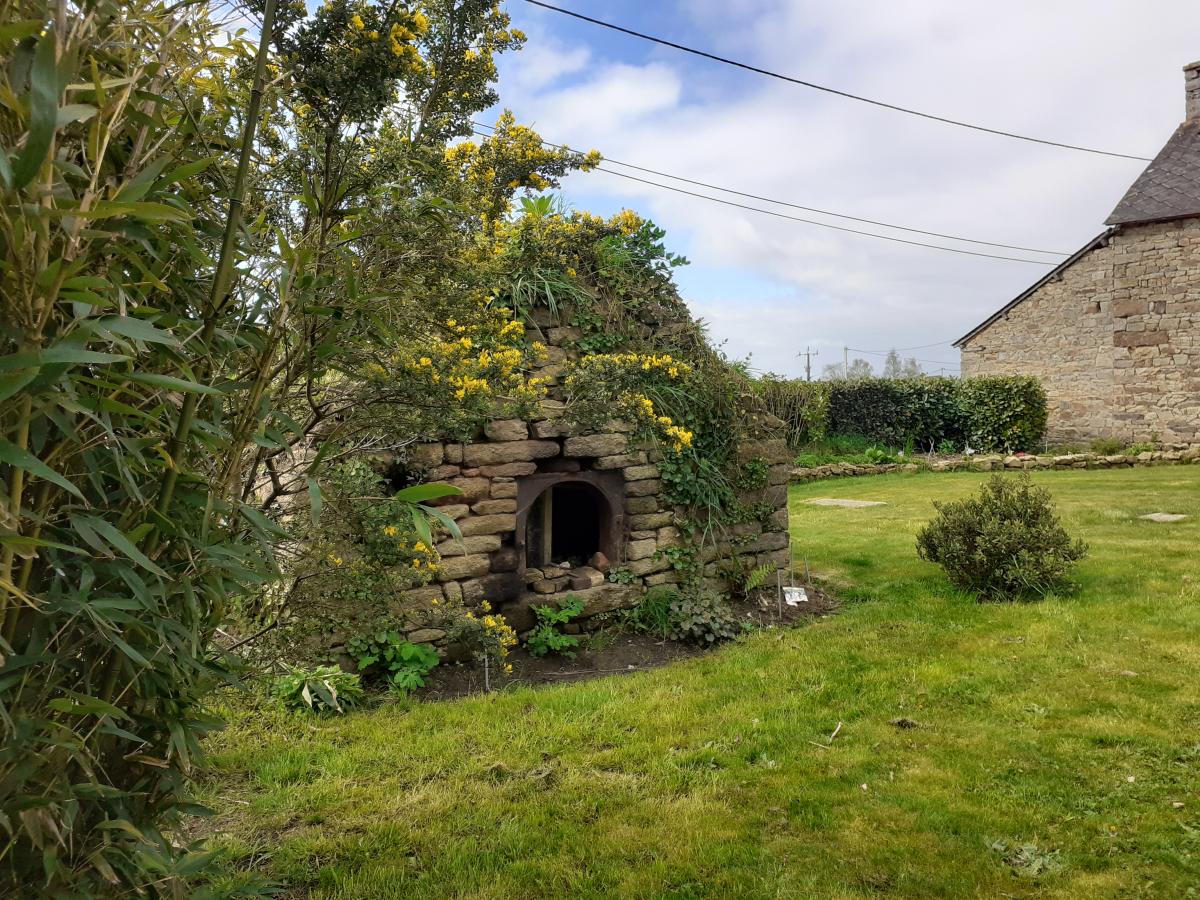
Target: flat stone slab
1163	517
848	504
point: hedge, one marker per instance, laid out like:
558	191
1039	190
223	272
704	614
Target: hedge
989	412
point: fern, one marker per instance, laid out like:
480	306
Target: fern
757	577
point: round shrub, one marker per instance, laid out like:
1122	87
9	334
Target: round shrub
1004	543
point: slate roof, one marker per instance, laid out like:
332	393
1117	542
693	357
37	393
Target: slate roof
1169	188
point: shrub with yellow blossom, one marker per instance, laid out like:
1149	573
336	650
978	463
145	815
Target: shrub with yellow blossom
635	387
470	368
485	634
485	174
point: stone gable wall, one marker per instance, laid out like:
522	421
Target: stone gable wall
1115	339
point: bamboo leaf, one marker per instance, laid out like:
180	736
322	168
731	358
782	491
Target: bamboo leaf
43	112
261	522
138	329
444	520
170	382
74	112
109	209
14	456
10	384
119	541
421	524
419	493
15	31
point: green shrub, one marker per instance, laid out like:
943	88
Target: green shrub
401	664
325	689
1107	446
1004	543
803	406
991	412
546	637
1005	412
704	617
898	412
653	614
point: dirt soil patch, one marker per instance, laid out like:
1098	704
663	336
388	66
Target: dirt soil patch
611	650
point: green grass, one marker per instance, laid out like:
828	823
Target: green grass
1053	740
844	448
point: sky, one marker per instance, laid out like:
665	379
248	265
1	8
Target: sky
1098	73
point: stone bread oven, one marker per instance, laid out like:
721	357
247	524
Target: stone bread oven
546	512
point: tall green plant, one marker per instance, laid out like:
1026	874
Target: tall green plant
127	325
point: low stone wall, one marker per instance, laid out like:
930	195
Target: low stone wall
1000	463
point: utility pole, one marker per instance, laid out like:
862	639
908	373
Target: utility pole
808	353
845	362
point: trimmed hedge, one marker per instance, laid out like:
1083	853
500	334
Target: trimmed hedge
990	412
1006	412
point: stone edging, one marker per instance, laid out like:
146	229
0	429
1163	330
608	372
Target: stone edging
998	463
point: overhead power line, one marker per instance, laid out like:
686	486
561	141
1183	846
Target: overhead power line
826	212
820	87
903	349
779	215
771	212
934	362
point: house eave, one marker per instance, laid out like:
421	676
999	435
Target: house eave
1095	243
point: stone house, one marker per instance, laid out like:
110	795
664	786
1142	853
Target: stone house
1113	332
548	510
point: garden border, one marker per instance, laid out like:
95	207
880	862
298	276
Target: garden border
993	463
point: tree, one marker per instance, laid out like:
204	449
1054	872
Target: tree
859	368
170	369
893	367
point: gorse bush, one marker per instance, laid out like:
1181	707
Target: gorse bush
1004	543
325	689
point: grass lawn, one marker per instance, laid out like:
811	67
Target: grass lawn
1054	741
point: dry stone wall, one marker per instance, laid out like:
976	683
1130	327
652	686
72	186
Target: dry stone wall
502	472
490	563
1115	339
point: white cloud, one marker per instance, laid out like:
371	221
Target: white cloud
1102	73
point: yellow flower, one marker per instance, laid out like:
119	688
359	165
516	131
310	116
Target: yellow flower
357	22
426	361
435	601
390	530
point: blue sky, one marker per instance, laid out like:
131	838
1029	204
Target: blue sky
1101	73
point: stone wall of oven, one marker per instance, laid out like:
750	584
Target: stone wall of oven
487	563
1115	339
